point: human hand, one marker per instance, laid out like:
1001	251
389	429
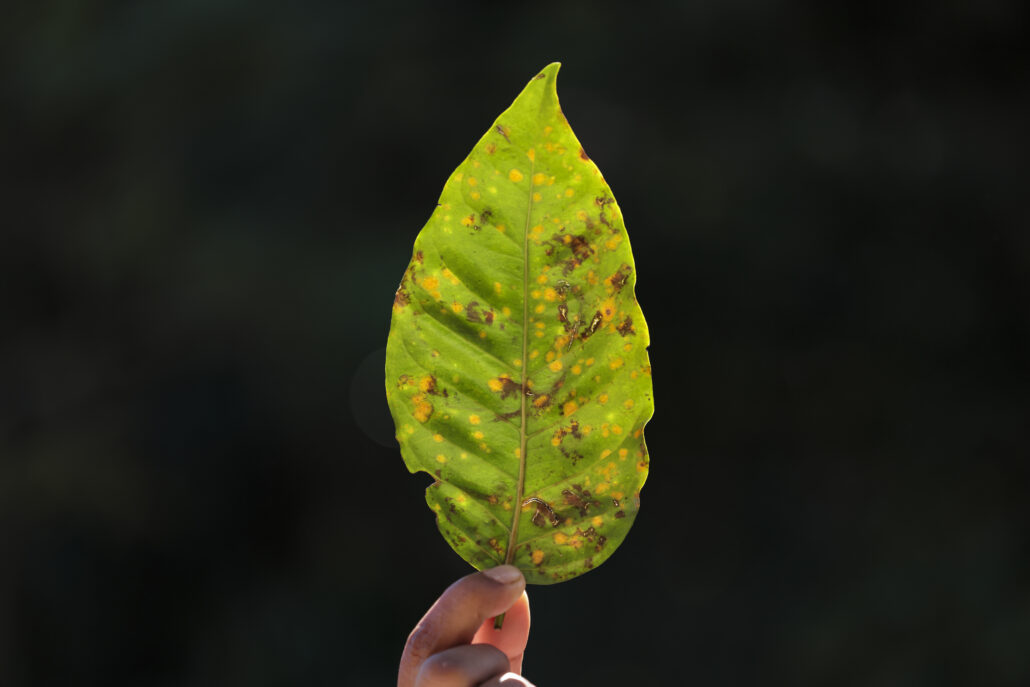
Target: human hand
455	644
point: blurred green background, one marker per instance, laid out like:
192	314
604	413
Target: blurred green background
207	207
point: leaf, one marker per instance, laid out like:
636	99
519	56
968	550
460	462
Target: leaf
517	370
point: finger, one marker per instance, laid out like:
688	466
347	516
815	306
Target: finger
462	666
507	680
457	614
512	637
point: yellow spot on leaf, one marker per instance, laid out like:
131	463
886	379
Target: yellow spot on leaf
628	403
430	283
515	175
474	195
550	356
538	556
602	399
495	384
539	179
531	154
615	364
541	400
537	197
597	521
518	452
542	279
474	419
457	307
538	229
555	366
623	453
477	434
449	276
549	293
438	438
569	193
539	308
497	286
472	181
534	353
560	538
569	408
423	409
616	429
441	458
576	369
500	228
507	311
613	242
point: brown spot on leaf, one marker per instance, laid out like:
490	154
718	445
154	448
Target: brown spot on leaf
620	514
626	328
472	313
583	154
543	513
563	315
418	257
488	316
618	280
509	387
574	456
500	130
594	324
578	498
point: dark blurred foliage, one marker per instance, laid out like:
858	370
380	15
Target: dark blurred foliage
208	205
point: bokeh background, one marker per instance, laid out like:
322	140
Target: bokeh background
207	206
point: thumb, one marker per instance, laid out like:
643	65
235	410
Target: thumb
512	637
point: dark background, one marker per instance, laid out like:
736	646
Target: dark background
207	206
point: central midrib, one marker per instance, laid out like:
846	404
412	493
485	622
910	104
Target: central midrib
509	555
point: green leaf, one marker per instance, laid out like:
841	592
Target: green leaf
517	370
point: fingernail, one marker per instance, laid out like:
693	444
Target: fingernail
505	574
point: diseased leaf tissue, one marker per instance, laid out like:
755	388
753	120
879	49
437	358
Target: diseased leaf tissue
517	370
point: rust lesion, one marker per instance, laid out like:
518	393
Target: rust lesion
595	322
472	313
543	513
618	280
579	498
572	429
505	385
